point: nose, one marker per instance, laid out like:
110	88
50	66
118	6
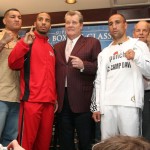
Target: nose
141	32
17	19
43	21
114	25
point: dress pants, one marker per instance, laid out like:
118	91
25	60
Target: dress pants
146	116
68	121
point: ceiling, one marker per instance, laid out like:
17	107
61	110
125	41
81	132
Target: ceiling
35	6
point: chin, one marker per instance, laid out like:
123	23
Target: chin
42	32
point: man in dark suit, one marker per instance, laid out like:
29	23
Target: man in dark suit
76	65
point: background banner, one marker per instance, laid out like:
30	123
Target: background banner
99	31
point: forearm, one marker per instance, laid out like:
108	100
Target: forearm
2	44
16	57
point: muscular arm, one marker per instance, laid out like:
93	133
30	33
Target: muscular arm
8	36
16	57
2	44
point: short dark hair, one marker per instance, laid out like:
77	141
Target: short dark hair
41	13
121	142
124	19
11	9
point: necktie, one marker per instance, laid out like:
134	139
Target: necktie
68	50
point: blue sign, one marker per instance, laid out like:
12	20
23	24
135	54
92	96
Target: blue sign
100	32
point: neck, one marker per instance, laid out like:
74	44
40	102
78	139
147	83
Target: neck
120	41
41	33
15	32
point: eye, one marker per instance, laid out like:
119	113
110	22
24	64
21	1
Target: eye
137	30
19	17
47	20
67	22
145	30
12	16
110	24
117	22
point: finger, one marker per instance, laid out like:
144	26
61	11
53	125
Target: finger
73	57
95	118
32	27
98	118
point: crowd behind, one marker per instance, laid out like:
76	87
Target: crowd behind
75	83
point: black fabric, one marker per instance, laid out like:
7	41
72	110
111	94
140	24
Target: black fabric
74	127
27	75
146	116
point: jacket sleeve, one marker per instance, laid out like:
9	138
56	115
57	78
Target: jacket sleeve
97	84
142	58
16	57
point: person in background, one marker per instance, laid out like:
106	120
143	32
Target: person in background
119	81
121	142
9	79
76	65
142	31
35	57
12	146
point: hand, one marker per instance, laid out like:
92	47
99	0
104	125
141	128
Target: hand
15	146
77	62
130	54
56	106
8	37
96	116
29	37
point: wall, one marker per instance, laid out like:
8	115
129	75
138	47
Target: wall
134	12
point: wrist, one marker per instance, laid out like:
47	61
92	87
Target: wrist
81	70
3	42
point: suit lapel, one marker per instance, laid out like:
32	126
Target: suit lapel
62	50
78	46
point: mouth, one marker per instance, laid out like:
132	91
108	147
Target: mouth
141	37
17	24
43	27
115	32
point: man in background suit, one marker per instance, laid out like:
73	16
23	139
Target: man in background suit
76	65
142	31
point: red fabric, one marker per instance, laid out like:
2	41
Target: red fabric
35	125
42	69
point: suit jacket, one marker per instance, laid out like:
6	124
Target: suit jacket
79	84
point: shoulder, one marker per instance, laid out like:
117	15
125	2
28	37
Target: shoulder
103	53
91	39
138	43
1	34
59	44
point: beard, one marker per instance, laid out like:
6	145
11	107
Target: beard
42	32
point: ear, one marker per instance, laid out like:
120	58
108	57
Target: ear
4	21
35	24
126	25
81	26
133	34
